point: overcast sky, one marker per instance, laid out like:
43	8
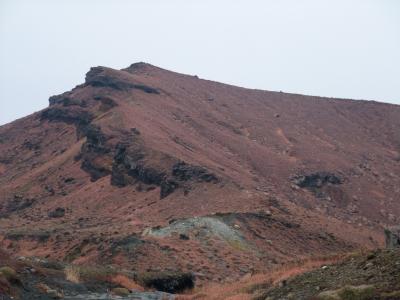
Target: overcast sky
338	48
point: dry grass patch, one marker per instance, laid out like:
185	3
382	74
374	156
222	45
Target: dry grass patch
126	282
247	287
72	273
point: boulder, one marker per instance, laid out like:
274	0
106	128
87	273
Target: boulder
59	212
316	180
392	235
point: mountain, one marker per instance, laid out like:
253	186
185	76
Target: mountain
152	170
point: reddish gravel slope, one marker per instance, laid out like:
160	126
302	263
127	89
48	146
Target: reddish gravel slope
151	169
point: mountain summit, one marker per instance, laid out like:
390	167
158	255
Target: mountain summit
155	170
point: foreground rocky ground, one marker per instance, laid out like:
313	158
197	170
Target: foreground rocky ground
358	276
34	278
370	275
374	275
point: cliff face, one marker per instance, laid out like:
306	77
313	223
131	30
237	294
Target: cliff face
152	169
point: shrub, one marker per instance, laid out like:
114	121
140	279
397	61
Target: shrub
10	274
362	292
78	274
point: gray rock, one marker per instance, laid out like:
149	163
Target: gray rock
392	235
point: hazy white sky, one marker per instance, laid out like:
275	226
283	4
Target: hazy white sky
337	48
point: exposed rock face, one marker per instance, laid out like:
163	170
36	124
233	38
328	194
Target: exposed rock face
77	116
65	99
95	154
316	180
167	188
392	236
97	77
184	172
106	103
129	166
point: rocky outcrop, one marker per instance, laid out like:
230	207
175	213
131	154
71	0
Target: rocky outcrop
39	236
130	166
184	172
76	116
65	99
146	89
127	162
98	77
106	103
316	180
392	237
95	154
167	187
170	282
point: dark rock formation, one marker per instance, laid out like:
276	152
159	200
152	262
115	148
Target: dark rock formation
106	103
184	237
392	236
17	203
65	99
95	154
40	236
110	82
167	188
59	99
170	282
146	89
316	180
77	116
128	165
95	139
184	172
59	212
98	78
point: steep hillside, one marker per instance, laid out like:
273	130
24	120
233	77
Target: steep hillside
154	170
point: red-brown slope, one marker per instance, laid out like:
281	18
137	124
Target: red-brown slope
143	147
